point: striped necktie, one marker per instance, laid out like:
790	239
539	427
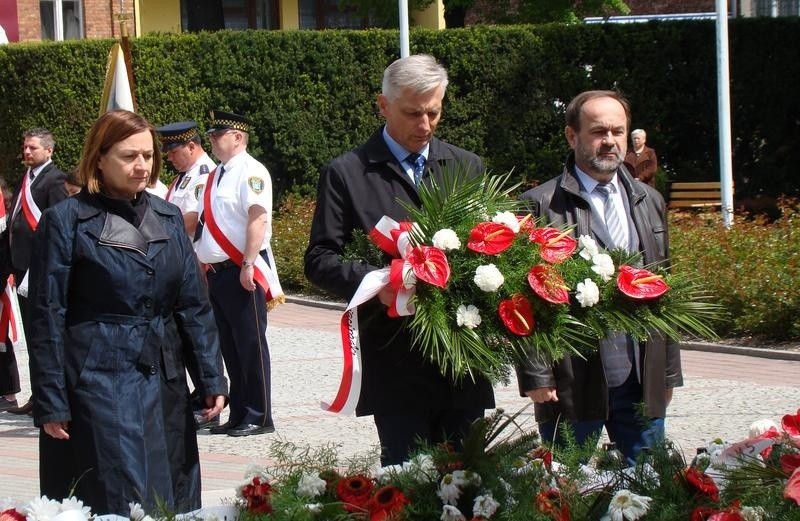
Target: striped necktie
613	224
417	162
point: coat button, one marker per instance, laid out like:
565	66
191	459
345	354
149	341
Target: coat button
153	369
148	303
151	271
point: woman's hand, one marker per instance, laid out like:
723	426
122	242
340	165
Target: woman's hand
57	430
214	405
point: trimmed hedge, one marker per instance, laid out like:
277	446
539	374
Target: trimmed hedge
312	93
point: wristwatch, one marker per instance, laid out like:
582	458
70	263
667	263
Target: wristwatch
245	263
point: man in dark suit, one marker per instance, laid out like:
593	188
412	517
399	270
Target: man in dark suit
598	197
42	186
406	394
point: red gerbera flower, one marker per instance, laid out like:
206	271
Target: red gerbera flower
640	284
386	502
11	515
546	282
517	315
555	246
549	502
355	492
701	483
791	424
430	265
490	238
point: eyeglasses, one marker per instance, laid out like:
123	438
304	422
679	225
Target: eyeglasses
219	133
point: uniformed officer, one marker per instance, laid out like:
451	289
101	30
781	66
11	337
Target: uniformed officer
233	241
183	146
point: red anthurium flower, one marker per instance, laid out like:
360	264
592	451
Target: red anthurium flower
546	282
790	462
701	513
555	246
640	284
726	515
701	483
386	502
430	265
544	454
792	490
517	315
11	515
526	224
355	492
791	424
490	238
256	495
549	502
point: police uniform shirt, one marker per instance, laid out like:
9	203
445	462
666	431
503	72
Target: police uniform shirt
245	183
187	193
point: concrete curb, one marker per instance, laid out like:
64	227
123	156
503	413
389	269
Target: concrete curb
708	347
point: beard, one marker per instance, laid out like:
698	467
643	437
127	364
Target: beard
591	157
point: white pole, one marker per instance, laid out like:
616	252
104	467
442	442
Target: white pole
404	46
724	114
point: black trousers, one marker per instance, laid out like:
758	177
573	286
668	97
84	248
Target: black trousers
241	318
402	432
9	373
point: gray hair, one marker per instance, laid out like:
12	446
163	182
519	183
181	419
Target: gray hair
419	72
639	132
44	135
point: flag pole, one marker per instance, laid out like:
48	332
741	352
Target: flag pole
123	18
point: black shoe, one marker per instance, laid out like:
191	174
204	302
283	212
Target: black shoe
202	423
248	429
22	409
223	428
6	404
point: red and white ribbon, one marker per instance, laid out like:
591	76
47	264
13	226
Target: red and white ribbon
10	318
32	214
393	238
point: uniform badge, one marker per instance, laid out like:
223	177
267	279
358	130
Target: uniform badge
198	190
185	182
256	184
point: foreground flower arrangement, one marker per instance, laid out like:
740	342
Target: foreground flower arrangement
504	474
484	286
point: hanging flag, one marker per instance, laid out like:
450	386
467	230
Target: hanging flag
117	92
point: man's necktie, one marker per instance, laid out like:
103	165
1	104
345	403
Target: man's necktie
613	224
417	162
220	173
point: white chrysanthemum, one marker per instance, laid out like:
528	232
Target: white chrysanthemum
451	513
603	266
488	278
315	508
467	478
42	509
588	247
468	316
587	293
759	427
73	503
449	490
627	506
507	219
311	485
484	506
446	239
137	513
752	513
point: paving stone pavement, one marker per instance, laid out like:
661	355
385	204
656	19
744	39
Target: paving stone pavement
723	394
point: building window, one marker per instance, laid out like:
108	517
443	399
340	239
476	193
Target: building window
229	14
327	14
777	8
61	19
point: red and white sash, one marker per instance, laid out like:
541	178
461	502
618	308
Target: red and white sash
263	275
3	218
32	214
171	189
10	318
391	237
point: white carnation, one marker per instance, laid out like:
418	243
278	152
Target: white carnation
752	513
507	219
588	247
42	509
314	508
587	293
484	506
488	278
446	239
759	427
451	513
603	266
468	316
421	468
311	485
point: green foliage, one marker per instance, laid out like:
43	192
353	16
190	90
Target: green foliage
753	268
290	231
312	93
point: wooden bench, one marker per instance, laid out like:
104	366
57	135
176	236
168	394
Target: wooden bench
695	195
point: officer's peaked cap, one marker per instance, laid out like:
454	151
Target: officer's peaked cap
176	134
228	120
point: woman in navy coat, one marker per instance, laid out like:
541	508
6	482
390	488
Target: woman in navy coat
118	309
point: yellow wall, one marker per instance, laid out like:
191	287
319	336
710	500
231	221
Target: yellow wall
430	18
289	14
158	15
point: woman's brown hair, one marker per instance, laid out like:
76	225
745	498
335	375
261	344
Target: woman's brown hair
109	129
